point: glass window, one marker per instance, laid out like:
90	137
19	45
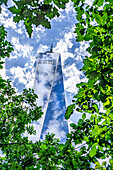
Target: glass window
49	61
45	62
54	62
40	62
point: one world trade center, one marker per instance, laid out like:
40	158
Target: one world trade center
49	87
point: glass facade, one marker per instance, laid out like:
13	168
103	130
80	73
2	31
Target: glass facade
49	87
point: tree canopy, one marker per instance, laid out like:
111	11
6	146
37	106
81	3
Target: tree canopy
91	141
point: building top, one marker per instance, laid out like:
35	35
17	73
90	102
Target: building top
51	49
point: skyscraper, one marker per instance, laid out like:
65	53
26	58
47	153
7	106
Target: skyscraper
49	87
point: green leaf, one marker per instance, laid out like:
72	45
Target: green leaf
92	31
104	17
96	131
95	106
17	18
28	27
26	12
45	23
86	139
104	163
43	146
93	150
95	2
84	116
47	1
14	10
97	165
53	13
111	161
93	75
98	2
69	111
100	148
98	19
3	1
107	102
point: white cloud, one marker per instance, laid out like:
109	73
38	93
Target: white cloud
69	7
89	2
42	48
5	19
10	3
19	49
18	72
54	127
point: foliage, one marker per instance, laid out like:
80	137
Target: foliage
5	49
96	130
36	12
92	138
16	112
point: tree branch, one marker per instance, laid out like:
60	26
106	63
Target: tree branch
80	146
14	143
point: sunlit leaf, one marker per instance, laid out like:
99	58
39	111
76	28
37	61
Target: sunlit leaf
14	10
98	18
104	17
69	111
98	2
93	150
84	116
28	26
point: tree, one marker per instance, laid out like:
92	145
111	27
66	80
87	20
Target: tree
96	131
93	136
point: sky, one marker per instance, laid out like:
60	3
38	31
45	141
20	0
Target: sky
20	67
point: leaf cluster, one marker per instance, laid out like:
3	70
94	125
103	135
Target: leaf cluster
96	130
5	50
34	12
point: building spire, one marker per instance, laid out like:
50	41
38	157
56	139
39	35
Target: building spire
51	49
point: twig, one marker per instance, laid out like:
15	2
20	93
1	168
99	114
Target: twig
14	143
80	145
